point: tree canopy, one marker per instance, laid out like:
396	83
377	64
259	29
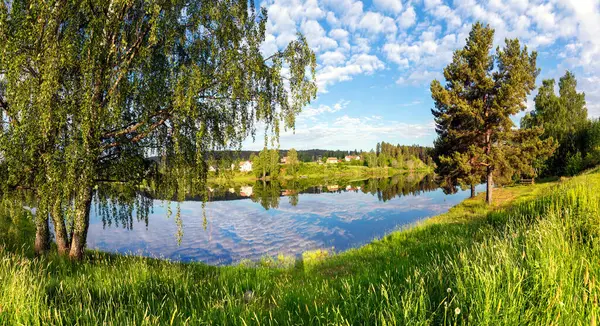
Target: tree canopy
292	161
90	89
473	111
266	163
563	117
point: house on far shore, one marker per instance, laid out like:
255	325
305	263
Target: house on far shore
331	160
245	166
246	191
333	188
349	158
212	169
284	160
288	192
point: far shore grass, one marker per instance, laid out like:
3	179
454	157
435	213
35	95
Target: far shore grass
314	171
530	259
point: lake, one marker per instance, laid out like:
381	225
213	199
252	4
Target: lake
267	219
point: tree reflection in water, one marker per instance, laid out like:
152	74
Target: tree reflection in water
118	205
268	193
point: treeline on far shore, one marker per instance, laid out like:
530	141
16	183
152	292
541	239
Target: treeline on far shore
314	155
273	163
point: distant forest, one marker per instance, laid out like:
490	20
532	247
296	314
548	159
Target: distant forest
312	155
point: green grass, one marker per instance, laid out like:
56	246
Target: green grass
531	259
313	170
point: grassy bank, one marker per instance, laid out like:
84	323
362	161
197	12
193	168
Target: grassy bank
532	259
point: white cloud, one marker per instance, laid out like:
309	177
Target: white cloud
429	4
312	113
315	35
444	12
340	35
347	122
332	58
413	103
341	133
397	53
350	11
428	51
408	18
358	64
543	16
416	38
332	19
361	45
377	23
269	46
394	6
420	77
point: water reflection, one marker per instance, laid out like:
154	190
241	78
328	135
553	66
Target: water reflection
268	218
268	193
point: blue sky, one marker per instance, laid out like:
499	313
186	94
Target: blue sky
376	59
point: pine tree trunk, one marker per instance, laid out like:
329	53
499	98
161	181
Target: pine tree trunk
81	224
42	235
60	230
490	186
472	191
488	151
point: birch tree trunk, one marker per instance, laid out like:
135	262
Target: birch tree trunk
81	224
42	234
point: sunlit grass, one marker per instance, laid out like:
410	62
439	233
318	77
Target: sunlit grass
533	258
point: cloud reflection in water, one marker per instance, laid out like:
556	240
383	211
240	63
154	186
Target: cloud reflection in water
243	229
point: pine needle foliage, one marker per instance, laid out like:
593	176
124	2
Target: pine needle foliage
563	117
476	136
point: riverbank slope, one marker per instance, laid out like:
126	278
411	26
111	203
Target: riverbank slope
532	258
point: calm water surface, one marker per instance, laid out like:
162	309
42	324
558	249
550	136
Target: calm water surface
251	222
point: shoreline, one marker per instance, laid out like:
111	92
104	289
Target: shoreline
468	258
350	172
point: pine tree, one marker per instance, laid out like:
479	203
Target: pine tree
473	111
563	117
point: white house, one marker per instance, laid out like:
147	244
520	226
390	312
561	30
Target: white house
212	169
333	188
245	166
349	158
331	160
246	191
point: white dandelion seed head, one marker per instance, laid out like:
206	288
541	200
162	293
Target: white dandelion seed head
457	311
449	290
